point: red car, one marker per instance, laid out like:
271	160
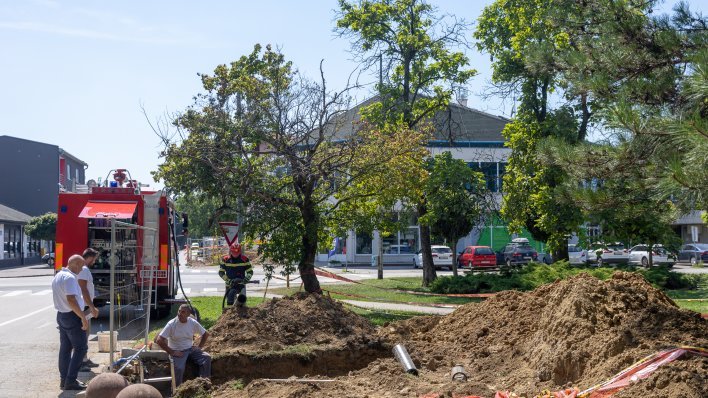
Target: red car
477	256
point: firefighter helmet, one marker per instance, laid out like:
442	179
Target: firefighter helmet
235	249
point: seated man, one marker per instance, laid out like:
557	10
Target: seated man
177	339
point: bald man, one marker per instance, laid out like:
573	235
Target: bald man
73	325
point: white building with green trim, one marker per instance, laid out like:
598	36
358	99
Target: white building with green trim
469	134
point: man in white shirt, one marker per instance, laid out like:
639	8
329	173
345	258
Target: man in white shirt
88	292
72	323
177	339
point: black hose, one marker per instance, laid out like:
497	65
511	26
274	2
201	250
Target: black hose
179	278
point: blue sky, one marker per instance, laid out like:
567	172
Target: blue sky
78	73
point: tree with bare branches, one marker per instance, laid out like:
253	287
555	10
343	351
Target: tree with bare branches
270	145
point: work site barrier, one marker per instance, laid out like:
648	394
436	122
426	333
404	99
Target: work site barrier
130	288
638	371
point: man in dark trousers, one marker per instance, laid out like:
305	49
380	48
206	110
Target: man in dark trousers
177	339
73	325
236	271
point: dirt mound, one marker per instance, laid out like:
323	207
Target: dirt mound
577	332
294	336
280	324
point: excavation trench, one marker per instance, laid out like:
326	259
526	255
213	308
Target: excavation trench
326	363
302	335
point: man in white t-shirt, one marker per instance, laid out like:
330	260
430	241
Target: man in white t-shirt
88	292
177	339
72	323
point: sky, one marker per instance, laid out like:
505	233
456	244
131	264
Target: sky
88	75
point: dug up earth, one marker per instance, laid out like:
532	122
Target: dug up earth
573	333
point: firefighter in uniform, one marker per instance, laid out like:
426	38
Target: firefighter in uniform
236	271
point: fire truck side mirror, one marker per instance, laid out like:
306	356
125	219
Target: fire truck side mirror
185	221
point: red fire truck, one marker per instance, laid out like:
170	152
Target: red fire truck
141	245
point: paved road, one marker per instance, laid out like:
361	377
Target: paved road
29	340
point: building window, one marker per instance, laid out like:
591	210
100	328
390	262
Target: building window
493	173
363	243
502	171
409	238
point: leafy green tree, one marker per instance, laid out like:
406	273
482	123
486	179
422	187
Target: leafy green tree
202	211
685	171
267	143
458	199
647	77
574	65
525	45
418	69
42	227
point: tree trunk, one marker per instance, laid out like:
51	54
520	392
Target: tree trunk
453	245
560	254
379	261
309	250
429	274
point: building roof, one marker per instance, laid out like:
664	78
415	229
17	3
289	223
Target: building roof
8	214
61	151
457	123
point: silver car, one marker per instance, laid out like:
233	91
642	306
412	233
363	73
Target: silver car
442	257
639	255
611	253
577	255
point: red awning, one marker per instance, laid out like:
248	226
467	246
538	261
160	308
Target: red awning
108	210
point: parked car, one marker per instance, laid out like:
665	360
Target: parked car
48	259
546	258
442	257
477	256
577	255
693	253
639	255
611	253
519	252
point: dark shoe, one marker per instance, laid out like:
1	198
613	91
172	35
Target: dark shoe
90	364
61	384
76	385
84	369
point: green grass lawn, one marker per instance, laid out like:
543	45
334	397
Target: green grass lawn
386	290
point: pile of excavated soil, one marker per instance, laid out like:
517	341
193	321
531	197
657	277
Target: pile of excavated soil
577	332
293	336
302	320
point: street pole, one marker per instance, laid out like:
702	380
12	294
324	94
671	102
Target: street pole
112	289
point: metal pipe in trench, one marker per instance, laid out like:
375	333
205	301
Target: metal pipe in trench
399	351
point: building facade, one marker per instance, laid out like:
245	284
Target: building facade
468	134
17	248
33	174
